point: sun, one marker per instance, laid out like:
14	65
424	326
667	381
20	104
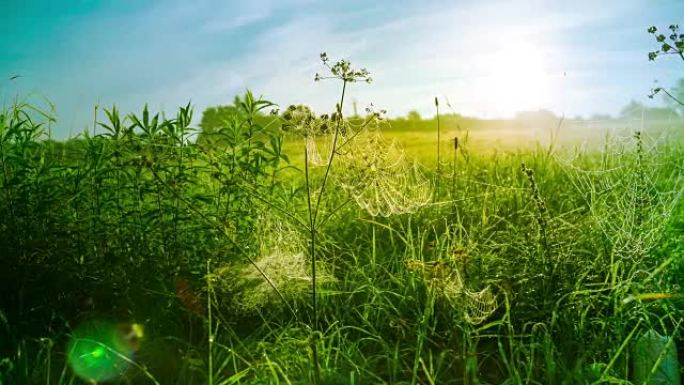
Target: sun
515	79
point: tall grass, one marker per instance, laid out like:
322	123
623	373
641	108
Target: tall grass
544	273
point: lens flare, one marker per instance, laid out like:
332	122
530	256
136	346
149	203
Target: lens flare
102	350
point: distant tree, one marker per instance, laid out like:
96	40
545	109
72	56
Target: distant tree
636	110
600	117
676	97
633	110
413	116
542	116
216	119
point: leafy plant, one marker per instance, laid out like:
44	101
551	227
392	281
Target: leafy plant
672	44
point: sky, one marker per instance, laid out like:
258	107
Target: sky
485	58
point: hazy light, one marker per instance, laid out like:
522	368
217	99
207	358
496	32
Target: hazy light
515	79
102	350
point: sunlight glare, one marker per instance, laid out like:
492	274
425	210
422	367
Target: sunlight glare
515	79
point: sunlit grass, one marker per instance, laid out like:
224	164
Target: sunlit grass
546	253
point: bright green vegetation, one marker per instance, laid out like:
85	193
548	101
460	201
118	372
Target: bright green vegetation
525	265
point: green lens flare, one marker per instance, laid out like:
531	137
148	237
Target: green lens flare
98	351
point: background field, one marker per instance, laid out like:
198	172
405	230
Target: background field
531	254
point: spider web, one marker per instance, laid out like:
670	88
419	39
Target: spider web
448	284
376	174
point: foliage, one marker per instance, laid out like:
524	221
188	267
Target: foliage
541	265
413	115
636	110
217	120
673	44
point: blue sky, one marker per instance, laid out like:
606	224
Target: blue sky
488	58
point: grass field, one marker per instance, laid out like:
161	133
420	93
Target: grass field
524	256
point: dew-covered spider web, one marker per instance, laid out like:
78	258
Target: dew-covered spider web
447	283
376	174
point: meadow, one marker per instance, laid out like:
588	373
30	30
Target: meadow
294	248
